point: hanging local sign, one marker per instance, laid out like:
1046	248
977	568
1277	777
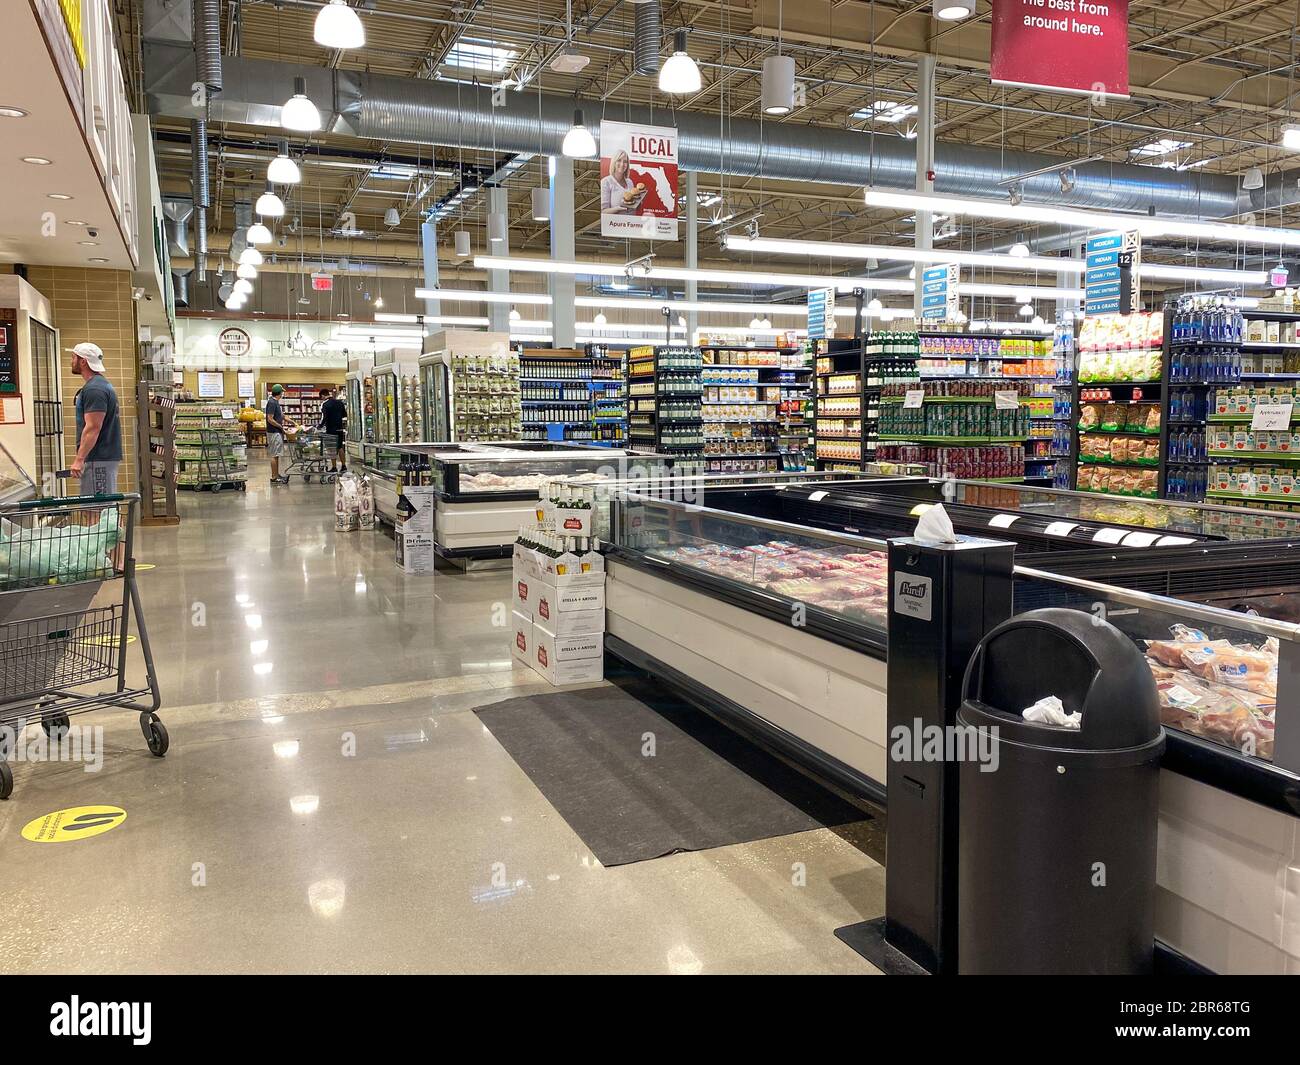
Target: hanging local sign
638	181
1111	279
939	296
1065	45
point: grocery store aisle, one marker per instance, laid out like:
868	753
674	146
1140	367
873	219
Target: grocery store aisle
331	803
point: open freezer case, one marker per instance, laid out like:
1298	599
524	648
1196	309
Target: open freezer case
766	603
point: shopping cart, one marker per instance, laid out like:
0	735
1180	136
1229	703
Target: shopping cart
309	456
67	599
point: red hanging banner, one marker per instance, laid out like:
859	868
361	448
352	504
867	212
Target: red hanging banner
1064	45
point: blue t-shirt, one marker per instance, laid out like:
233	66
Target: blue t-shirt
98	396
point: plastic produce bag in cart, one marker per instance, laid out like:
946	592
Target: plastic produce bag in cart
57	553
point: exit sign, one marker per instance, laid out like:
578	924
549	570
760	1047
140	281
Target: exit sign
322	282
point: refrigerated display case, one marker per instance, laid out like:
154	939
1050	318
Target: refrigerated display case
361	421
396	417
469	387
767	603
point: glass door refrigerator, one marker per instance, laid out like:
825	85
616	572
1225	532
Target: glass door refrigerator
435	394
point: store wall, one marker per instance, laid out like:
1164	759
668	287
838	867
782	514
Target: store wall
95	305
19	438
266	376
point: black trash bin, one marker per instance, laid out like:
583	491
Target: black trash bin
1057	844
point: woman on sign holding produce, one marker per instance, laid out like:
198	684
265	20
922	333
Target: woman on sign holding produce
619	194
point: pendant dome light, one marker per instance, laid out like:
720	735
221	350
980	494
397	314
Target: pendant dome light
578	142
392	218
875	307
541	204
514	314
680	74
338	26
247	271
299	114
250	256
1026	310
283	170
600	318
778	85
496	227
462	243
269	205
953	10
242	285
258	234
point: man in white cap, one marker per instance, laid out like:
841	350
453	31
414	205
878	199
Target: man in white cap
99	427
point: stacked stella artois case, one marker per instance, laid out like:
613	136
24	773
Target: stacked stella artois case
558	609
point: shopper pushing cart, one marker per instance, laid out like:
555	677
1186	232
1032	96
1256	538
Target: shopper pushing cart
277	425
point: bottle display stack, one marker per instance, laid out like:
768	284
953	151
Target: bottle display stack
755	409
486	393
665	403
572	395
210	450
986	411
1251	437
1061	448
558	608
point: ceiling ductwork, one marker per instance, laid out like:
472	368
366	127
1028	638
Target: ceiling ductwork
647	36
207	43
181	287
418	111
176	215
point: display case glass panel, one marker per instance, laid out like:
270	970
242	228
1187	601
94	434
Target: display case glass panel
15	485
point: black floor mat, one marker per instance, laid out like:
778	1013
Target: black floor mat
705	785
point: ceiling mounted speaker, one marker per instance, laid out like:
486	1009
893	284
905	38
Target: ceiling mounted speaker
541	205
778	85
462	243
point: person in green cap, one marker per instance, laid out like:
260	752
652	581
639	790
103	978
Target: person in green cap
275	426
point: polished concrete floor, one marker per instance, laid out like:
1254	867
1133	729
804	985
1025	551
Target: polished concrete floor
330	802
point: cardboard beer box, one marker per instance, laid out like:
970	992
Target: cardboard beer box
521	637
571	610
568	659
523	593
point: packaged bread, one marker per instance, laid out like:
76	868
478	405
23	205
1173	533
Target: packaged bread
1150	451
1113	417
1152	418
1090	417
1119	448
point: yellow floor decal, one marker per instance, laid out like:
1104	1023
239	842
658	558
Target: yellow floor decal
143	566
107	641
76	822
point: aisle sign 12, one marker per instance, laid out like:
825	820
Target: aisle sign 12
1077	46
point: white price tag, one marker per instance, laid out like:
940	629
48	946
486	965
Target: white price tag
913	398
1109	536
228	414
1061	528
1006	399
814	497
1174	541
1003	521
1271	416
1180	696
1140	539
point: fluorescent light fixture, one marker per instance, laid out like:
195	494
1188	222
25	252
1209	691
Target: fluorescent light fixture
467	295
777	96
578	142
269	205
472	53
953	10
338	26
406	318
283	170
258	234
1082	219
738	277
250	256
299	114
679	74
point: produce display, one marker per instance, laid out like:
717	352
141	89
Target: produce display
1121	366
1224	691
1122	332
839	579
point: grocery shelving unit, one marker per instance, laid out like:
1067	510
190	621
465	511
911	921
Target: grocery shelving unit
755	408
1063	408
841	409
664	403
210	449
1270	367
300	402
156	448
572	395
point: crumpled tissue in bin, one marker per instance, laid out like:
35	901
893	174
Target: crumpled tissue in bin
57	552
936	527
1049	711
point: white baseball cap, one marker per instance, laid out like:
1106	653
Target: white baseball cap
92	354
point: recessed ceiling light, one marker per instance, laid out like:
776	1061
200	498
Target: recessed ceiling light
12	112
97	260
89	243
37	160
58	196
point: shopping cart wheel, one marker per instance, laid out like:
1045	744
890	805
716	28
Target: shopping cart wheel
56	725
6	780
306	478
155	733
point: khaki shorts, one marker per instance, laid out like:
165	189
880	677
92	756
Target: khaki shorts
274	445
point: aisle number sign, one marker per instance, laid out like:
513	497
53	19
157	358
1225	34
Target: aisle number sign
1111	278
939	298
821	313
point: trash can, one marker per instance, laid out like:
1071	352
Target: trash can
1057	826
